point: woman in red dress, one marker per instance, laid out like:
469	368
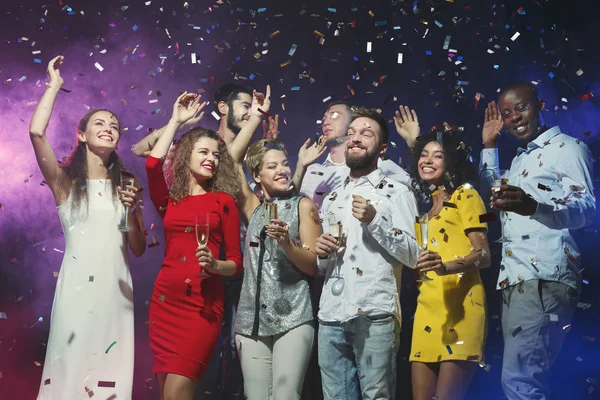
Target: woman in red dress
187	302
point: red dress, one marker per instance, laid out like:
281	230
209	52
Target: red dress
186	309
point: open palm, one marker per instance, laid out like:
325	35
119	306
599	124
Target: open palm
309	154
492	125
407	125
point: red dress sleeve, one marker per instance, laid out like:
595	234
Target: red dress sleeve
159	192
231	232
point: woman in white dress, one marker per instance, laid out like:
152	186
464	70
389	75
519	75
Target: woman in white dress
91	342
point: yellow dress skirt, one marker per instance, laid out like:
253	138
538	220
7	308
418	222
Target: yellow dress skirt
450	320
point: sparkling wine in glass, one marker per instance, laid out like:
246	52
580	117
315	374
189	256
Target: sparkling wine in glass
270	210
498	182
422	234
202	232
336	229
125	181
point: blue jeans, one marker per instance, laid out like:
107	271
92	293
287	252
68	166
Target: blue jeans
359	357
534	314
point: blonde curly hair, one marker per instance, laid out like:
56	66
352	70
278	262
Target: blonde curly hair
177	167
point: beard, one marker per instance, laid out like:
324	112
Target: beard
233	123
360	162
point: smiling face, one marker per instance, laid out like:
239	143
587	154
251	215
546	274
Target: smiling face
102	132
432	164
362	146
237	111
275	174
335	122
519	110
204	159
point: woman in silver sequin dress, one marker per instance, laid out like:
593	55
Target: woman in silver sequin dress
275	323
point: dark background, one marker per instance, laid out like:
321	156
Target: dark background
141	62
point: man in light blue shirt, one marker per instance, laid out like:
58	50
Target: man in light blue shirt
546	193
359	313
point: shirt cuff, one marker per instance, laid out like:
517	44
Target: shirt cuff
489	158
544	214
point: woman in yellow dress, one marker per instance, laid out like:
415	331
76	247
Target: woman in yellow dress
450	320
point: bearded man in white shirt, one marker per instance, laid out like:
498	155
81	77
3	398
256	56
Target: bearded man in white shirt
359	315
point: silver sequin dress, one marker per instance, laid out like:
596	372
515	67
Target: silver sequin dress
275	295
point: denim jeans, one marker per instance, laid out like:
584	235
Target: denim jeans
534	315
359	357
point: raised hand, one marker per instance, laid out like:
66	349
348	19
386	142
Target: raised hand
309	154
271	128
186	108
261	101
493	125
56	81
407	125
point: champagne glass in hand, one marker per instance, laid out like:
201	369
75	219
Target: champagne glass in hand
499	180
126	181
202	232
422	234
336	230
270	213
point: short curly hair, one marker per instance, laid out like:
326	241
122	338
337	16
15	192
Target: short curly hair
457	157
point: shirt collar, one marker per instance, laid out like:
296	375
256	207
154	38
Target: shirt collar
328	161
541	140
374	178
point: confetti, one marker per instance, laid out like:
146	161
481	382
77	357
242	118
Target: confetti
110	347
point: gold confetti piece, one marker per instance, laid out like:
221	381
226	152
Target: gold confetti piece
277	32
316	32
37	364
285	63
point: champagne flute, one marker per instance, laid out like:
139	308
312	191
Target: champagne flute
202	232
499	181
270	211
336	230
126	180
422	234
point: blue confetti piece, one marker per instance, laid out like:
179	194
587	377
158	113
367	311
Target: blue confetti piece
522	12
251	77
238	58
155	111
207	30
507	26
397	27
496	66
239	9
296	88
196	28
427	52
42	20
302	12
331	9
262	9
439	24
354	9
586	281
449	349
355	58
380	23
460	58
135	28
551	75
37	61
203	80
528	27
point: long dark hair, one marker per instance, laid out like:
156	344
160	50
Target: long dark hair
177	167
457	158
75	167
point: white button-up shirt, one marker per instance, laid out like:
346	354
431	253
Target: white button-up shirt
321	179
372	261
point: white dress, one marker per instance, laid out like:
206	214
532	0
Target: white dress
93	306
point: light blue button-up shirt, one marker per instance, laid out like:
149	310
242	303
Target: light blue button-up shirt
555	169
